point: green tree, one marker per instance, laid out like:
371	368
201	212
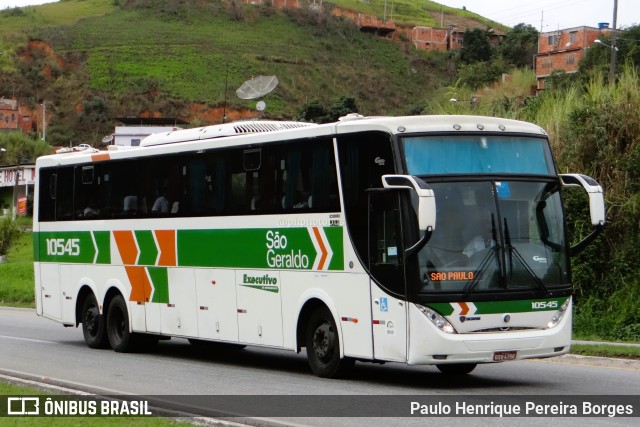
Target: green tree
20	148
629	48
598	56
313	111
9	232
343	106
94	121
520	46
480	74
316	112
477	46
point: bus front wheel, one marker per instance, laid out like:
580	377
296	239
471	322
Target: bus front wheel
120	338
93	323
457	368
323	346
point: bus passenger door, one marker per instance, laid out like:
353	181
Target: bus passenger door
386	263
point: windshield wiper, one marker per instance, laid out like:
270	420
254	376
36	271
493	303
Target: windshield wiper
485	261
513	251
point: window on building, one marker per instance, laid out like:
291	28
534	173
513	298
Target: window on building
571	59
573	36
553	40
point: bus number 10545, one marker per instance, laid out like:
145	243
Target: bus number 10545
63	247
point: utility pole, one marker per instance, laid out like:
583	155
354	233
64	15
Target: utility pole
44	123
614	51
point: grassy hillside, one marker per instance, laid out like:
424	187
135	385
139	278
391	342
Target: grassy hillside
417	12
94	59
65	12
188	52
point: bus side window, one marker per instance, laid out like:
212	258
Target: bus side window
308	175
47	198
64	194
324	183
88	192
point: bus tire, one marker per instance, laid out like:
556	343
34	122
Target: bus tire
457	368
323	346
94	329
120	338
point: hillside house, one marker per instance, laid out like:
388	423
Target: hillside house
15	117
563	50
443	39
427	38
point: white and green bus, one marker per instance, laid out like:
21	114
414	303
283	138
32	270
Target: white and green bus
436	240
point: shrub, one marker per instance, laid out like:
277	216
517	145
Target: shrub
9	232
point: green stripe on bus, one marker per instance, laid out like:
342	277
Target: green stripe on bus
160	280
334	235
148	249
103	242
281	248
66	247
496	307
286	248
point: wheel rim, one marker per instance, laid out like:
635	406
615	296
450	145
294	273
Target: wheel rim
91	320
323	342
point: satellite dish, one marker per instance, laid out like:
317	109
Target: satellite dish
260	106
257	87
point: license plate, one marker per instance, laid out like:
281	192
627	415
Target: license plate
501	356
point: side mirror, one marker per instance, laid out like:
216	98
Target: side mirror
594	190
596	205
426	198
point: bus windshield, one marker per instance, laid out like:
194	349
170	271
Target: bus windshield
495	235
475	154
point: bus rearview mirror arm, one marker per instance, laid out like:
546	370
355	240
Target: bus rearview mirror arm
426	198
426	205
596	206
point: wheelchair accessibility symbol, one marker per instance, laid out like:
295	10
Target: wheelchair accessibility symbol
384	305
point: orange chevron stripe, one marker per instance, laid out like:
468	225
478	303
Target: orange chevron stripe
167	243
100	157
140	285
323	258
465	308
126	246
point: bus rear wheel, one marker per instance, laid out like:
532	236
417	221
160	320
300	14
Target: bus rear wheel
120	338
323	346
457	368
93	323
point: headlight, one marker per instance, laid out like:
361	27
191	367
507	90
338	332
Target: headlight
440	322
558	315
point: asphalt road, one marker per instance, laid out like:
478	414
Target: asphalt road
44	351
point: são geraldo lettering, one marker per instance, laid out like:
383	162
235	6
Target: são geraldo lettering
278	256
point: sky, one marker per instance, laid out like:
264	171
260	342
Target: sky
19	3
550	15
544	15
